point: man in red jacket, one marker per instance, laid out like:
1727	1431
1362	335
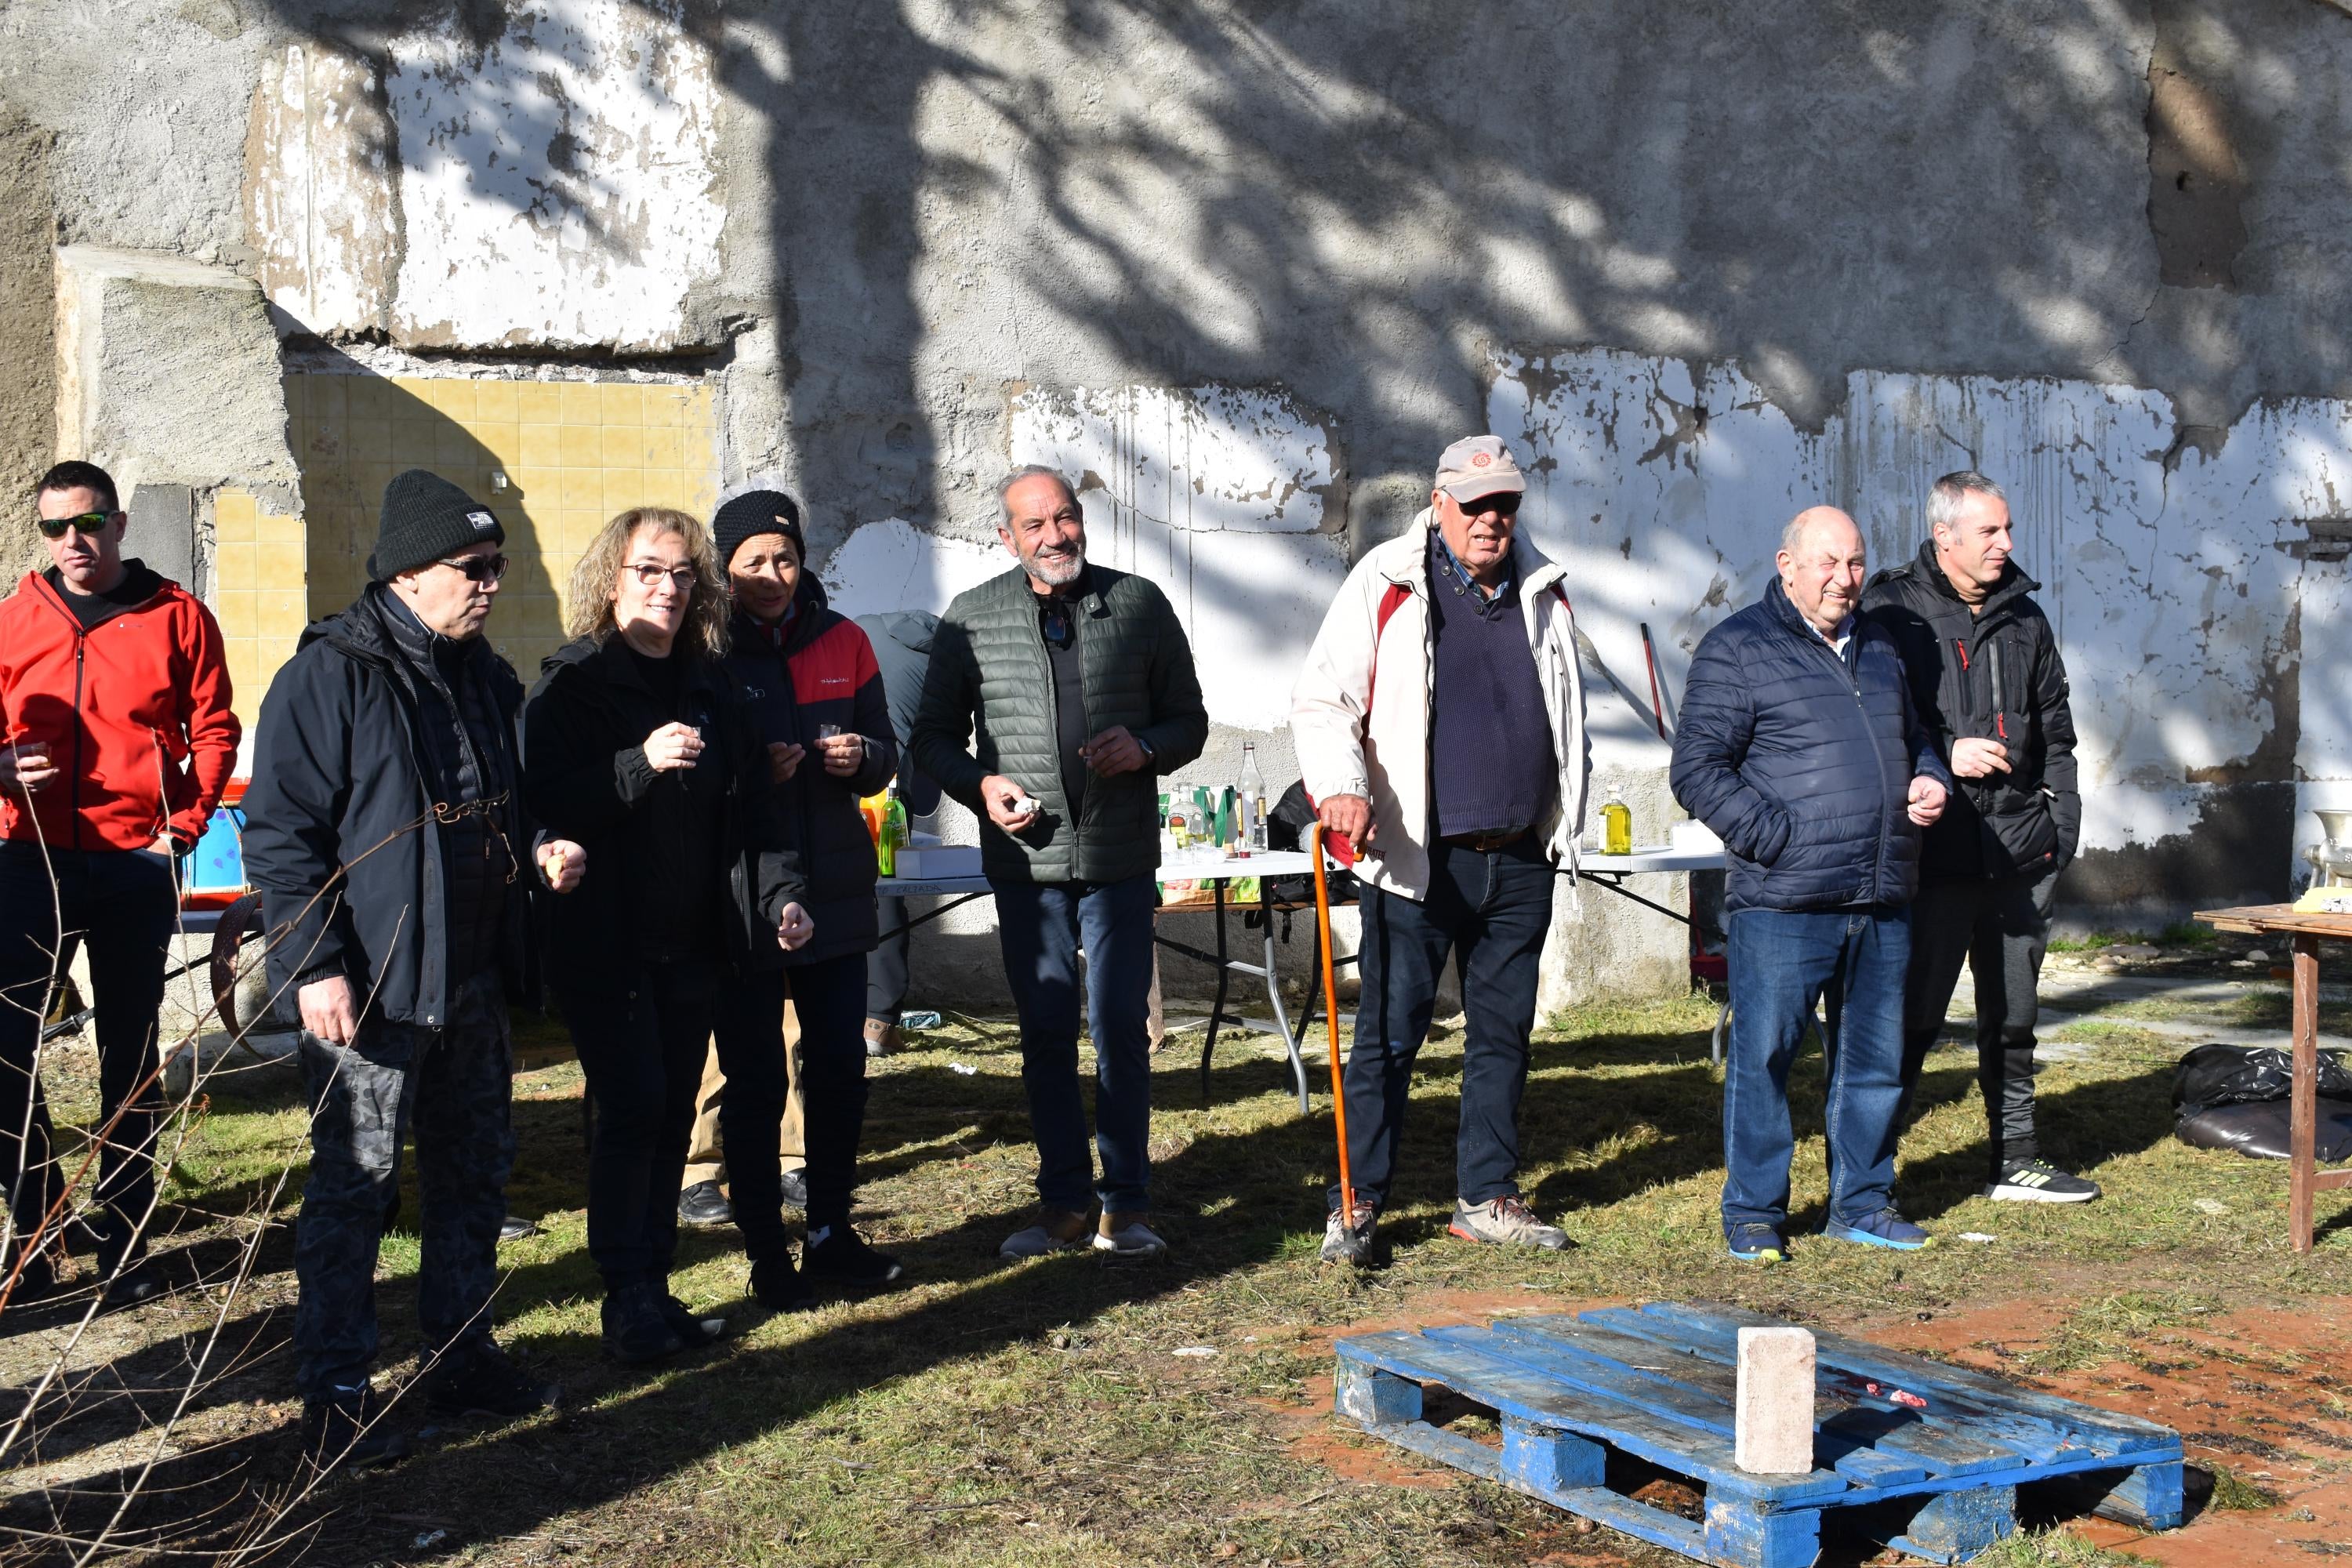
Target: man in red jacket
114	711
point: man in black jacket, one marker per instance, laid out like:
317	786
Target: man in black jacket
1987	681
394	861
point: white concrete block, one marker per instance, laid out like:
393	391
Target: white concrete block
1774	1427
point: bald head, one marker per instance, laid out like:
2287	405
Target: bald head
1822	562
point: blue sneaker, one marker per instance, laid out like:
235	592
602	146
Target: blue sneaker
1757	1244
1885	1228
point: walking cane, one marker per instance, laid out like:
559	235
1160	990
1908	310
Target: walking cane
1331	1020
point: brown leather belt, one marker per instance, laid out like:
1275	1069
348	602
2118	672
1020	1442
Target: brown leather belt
1485	843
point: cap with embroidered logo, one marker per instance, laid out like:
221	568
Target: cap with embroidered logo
1478	466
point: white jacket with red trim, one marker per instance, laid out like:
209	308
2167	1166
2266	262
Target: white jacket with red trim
1360	710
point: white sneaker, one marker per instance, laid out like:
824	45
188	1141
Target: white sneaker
1126	1236
1056	1230
1507	1221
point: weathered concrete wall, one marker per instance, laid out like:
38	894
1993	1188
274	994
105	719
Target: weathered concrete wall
1245	269
28	328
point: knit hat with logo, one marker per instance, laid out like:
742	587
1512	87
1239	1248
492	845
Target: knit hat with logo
752	513
425	519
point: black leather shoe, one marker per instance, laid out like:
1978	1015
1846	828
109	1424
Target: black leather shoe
635	1329
514	1227
704	1206
840	1255
349	1432
475	1377
778	1287
691	1328
132	1284
796	1189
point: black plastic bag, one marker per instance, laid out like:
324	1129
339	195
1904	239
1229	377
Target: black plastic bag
1286	828
2260	1129
2216	1075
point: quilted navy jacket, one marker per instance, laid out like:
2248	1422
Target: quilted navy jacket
1802	761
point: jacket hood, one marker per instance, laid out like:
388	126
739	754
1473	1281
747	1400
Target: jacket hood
910	629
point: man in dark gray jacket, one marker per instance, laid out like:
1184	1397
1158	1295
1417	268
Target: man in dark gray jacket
393	862
1987	681
1078	682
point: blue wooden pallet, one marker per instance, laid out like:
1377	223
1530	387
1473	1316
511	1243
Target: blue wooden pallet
1659	1384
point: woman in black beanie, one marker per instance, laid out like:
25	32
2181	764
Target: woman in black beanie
636	745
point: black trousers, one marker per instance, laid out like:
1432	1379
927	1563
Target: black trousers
2000	930
121	904
641	1033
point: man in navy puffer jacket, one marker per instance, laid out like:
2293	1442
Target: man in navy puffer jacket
1799	747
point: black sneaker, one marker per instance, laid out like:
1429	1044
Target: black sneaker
704	1206
690	1328
778	1287
514	1227
795	1186
840	1254
132	1284
635	1329
349	1432
475	1377
2038	1181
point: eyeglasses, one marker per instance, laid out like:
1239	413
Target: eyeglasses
87	522
652	572
1505	504
476	568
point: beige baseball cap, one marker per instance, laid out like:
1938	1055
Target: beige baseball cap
1478	466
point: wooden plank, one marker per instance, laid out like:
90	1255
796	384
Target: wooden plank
1746	1533
2265	919
2302	1113
1596	1503
2151	1498
1374	1397
1953	1527
1976	1394
1514	1390
1549	1460
1694	1408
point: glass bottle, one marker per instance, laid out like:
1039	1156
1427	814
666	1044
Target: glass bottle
893	837
1251	787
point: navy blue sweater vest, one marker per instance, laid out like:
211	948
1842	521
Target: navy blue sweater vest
1491	768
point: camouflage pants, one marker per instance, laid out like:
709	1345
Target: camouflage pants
449	1089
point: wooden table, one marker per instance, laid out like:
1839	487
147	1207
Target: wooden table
2306	934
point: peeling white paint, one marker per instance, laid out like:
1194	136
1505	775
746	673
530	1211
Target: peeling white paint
1215	494
558	184
893	565
2172	592
320	195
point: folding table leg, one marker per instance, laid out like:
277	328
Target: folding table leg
1225	981
2302	1125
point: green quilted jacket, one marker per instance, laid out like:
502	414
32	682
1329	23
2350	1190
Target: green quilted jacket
988	674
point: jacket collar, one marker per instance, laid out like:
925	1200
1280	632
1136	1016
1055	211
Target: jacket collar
1408	567
619	667
1783	609
2014	583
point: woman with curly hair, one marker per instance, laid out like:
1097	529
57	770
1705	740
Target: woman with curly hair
637	746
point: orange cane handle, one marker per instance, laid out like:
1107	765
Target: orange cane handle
1331	1020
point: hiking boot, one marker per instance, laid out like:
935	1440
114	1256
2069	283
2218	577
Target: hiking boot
348	1432
690	1327
1757	1244
475	1377
840	1255
795	1186
1507	1221
881	1038
1056	1230
514	1227
778	1287
133	1283
635	1329
704	1205
1342	1244
2038	1181
1126	1236
1885	1228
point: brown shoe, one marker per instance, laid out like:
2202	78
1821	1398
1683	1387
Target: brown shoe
1056	1230
1127	1236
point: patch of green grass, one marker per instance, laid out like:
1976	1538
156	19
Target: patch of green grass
2097	940
2114	1328
2234	1493
2188	933
2051	1548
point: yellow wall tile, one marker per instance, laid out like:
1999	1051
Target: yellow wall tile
623	488
622	404
279	569
496	400
237	610
233	524
581	490
279	612
582	446
661	447
541	445
579	403
622	447
538	402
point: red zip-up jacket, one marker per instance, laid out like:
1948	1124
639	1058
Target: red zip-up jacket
135	712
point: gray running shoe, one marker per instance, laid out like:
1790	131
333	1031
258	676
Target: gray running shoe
1508	1222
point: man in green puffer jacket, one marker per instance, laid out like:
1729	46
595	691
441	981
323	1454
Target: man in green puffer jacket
1078	681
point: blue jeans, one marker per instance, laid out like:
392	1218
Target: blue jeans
1043	926
1780	961
1489	911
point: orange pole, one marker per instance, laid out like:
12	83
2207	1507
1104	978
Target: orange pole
1331	1018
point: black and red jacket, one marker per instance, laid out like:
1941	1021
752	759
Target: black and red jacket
134	711
823	672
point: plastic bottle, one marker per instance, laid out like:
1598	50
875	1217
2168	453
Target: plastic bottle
1251	788
1616	826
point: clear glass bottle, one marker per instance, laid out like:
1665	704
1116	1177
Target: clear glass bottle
1251	788
1616	826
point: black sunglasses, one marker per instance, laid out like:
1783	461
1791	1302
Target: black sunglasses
477	568
1505	503
87	522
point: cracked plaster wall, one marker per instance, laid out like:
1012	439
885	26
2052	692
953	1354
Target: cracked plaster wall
911	243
